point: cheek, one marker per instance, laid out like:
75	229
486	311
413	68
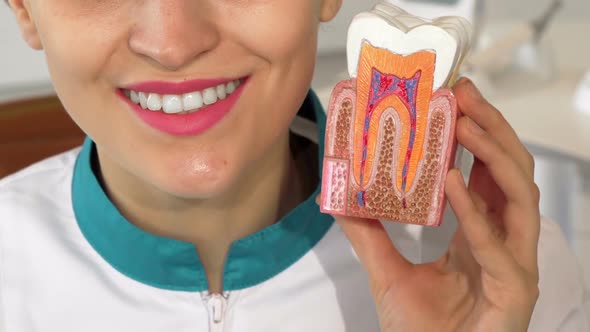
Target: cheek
79	38
278	30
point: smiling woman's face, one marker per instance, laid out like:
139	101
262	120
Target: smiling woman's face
98	50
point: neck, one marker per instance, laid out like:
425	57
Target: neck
222	220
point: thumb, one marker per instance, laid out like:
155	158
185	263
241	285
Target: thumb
375	250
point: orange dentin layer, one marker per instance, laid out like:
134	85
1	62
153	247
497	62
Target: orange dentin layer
404	67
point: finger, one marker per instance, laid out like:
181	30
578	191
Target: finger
474	105
383	262
487	249
523	241
514	183
375	250
520	216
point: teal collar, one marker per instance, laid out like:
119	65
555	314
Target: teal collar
171	264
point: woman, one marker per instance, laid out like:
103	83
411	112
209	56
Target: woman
191	206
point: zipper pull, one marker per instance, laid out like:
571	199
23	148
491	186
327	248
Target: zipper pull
216	305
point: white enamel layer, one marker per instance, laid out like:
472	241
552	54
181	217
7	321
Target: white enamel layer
188	102
391	28
172	104
210	96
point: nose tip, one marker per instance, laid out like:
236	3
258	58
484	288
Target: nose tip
167	54
173	41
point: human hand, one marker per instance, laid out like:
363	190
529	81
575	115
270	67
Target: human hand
487	281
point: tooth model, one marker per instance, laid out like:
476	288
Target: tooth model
390	135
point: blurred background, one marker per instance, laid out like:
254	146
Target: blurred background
531	59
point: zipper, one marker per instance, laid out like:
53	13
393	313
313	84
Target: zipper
216	305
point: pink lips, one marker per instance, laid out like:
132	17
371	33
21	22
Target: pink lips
190	124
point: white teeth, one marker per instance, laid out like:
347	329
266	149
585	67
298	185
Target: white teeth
154	102
221	94
192	101
210	96
143	100
230	87
134	97
172	104
389	27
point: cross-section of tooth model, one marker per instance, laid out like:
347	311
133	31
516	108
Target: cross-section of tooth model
390	135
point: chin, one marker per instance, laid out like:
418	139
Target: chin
205	182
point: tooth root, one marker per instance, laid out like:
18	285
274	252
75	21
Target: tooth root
154	102
143	100
209	96
172	104
192	101
230	87
221	94
134	97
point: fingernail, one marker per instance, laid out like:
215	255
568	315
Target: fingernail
472	89
463	80
473	127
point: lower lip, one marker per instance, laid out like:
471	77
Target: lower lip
189	124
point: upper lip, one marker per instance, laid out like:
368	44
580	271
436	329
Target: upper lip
177	88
